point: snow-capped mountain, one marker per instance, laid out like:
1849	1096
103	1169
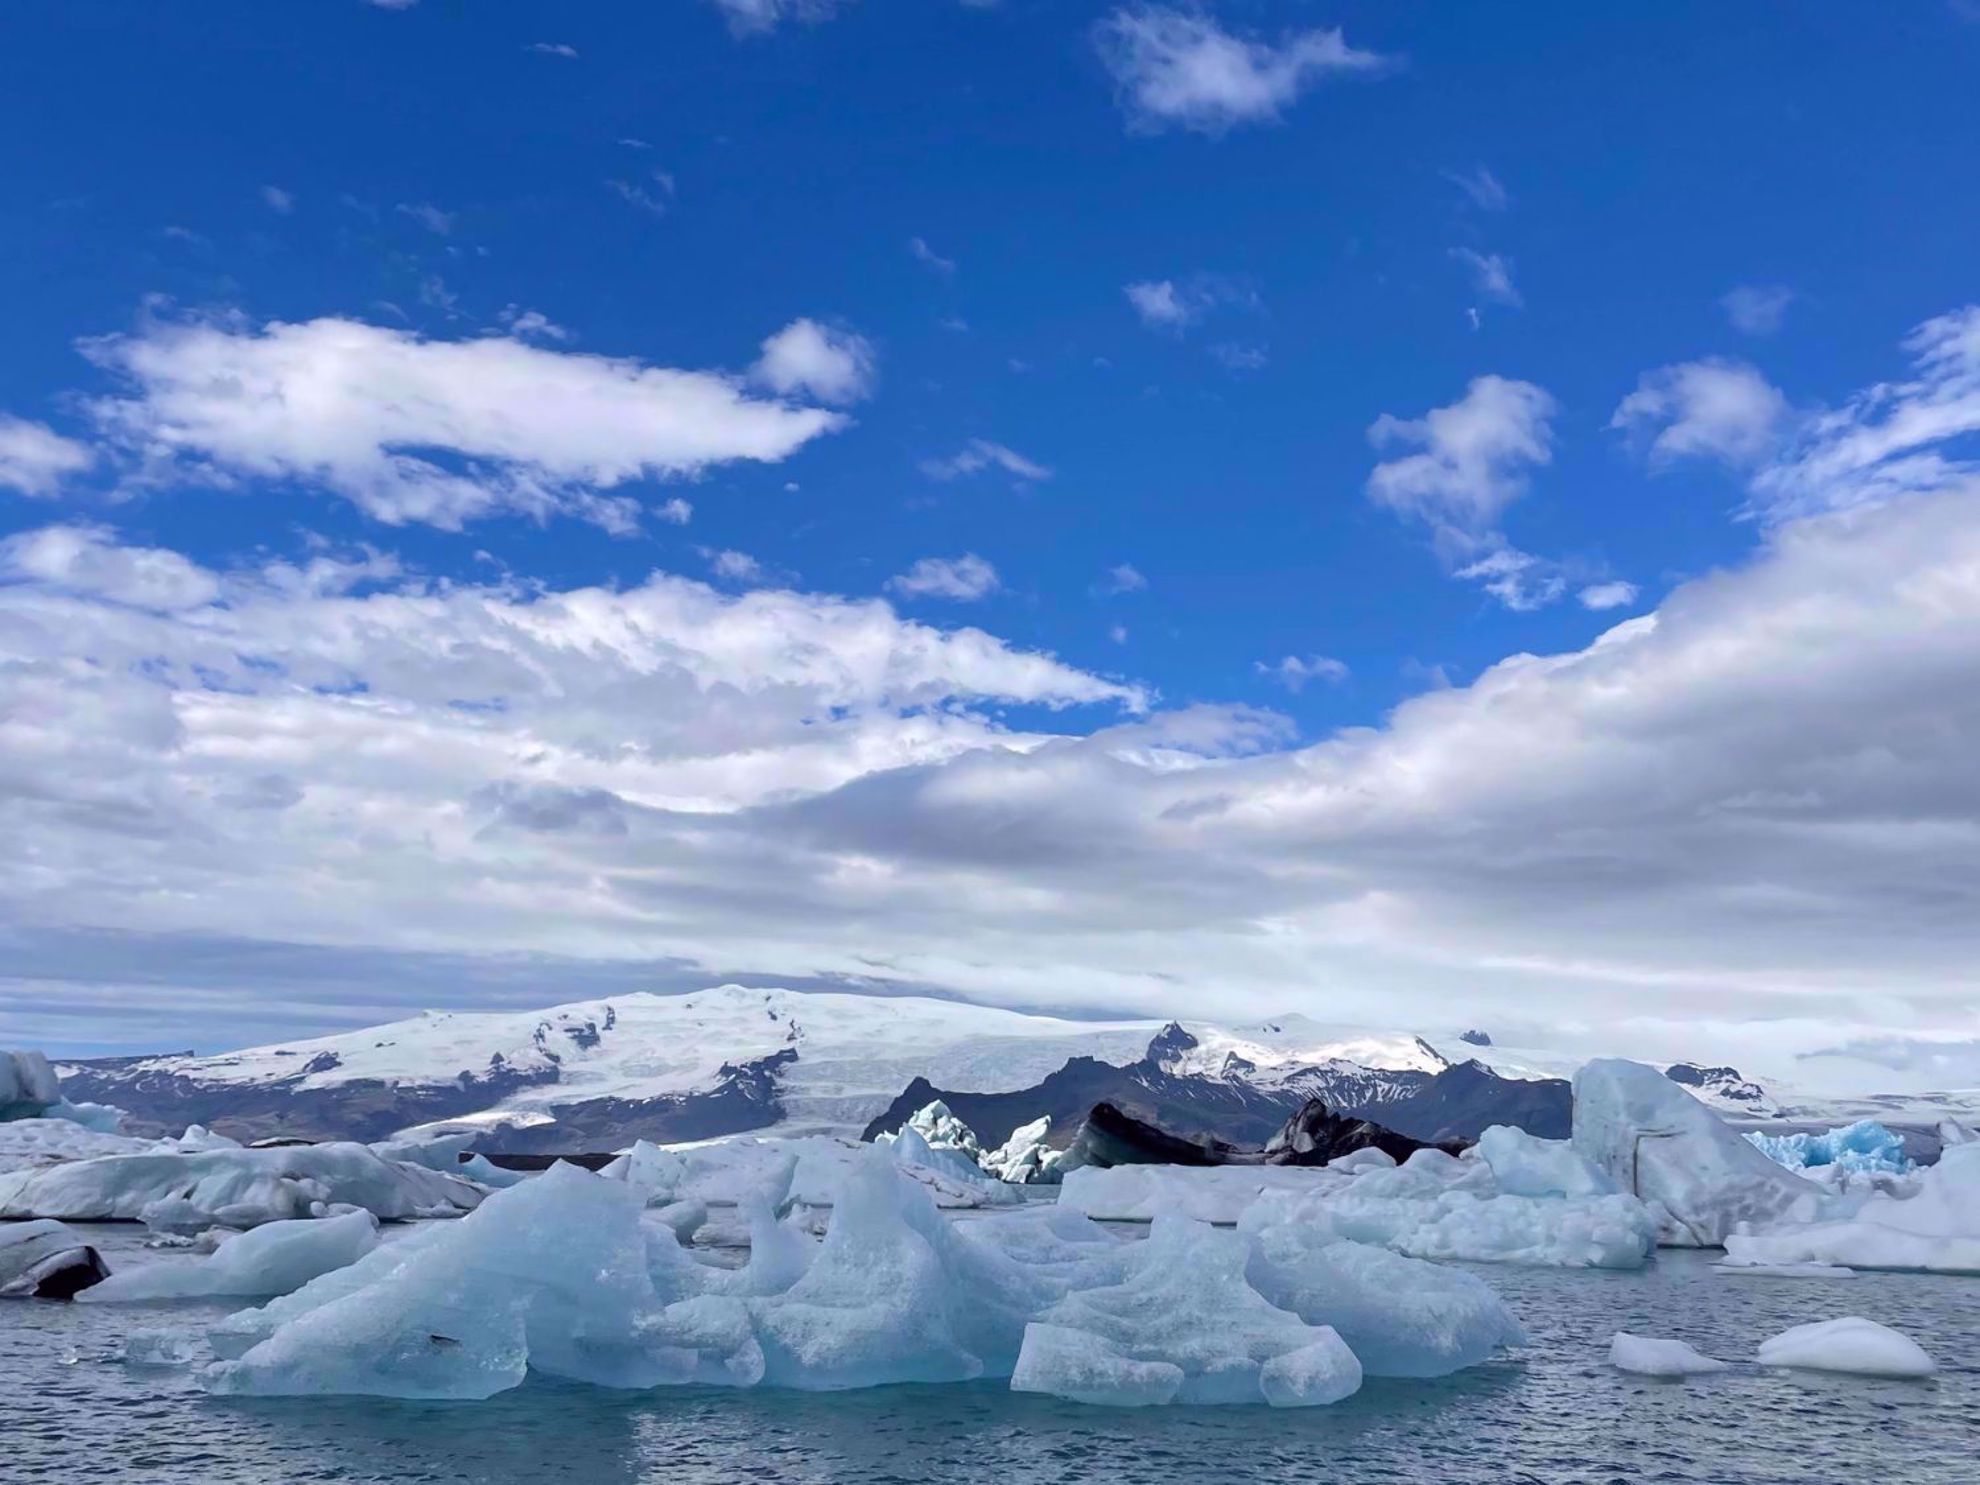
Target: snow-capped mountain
695	1066
596	1074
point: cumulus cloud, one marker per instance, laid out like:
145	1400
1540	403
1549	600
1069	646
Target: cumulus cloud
35	459
1715	408
1122	577
1757	309
1294	671
433	431
964	579
980	454
1179	68
1175	305
807	359
1471	459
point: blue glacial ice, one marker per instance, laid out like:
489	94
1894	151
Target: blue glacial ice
274	1258
1865	1147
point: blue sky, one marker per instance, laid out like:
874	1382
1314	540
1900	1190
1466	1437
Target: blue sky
1168	273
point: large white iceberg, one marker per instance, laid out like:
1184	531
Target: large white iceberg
1853	1345
275	1258
807	1171
1183	1326
234	1187
1025	1158
1937	1229
1659	1143
1211	1193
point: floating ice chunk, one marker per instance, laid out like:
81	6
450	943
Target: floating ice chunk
911	1148
1368	1157
1650	1356
937	1124
1852	1344
895	1294
1936	1230
31	1144
275	1258
44	1260
1025	1158
552	1274
1470	1223
102	1117
159	1348
235	1187
28	1085
1525	1165
682	1218
1952	1132
1183	1326
1402	1317
1865	1146
1661	1144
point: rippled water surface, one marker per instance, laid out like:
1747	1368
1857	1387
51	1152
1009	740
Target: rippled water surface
70	1410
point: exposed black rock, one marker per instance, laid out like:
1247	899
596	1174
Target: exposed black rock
1475	1037
45	1260
1725	1082
1313	1135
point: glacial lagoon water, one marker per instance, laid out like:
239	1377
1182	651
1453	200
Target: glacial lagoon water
71	1410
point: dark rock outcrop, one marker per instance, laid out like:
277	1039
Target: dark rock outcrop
1475	1037
1313	1135
1464	1100
45	1260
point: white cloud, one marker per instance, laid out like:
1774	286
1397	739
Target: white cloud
675	512
1294	671
964	579
1716	409
35	459
429	216
1519	580
278	200
87	560
735	567
441	432
1472	458
980	454
808	359
1123	577
757	17
1481	188
1233	356
530	324
554	49
1159	304
1615	594
653	202
1757	309
929	258
1178	67
1491	276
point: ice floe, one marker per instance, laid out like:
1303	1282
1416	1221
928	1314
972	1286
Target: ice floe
1652	1356
44	1260
1852	1345
232	1187
1659	1143
275	1258
1183	1326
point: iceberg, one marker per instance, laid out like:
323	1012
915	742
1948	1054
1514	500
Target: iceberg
1184	1326
28	1085
1650	1356
1843	1157
275	1258
1402	1317
807	1171
1525	1165
1205	1193
1935	1230
232	1187
1853	1345
1025	1159
1659	1143
44	1260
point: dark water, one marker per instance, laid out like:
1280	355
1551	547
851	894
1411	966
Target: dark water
70	1412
